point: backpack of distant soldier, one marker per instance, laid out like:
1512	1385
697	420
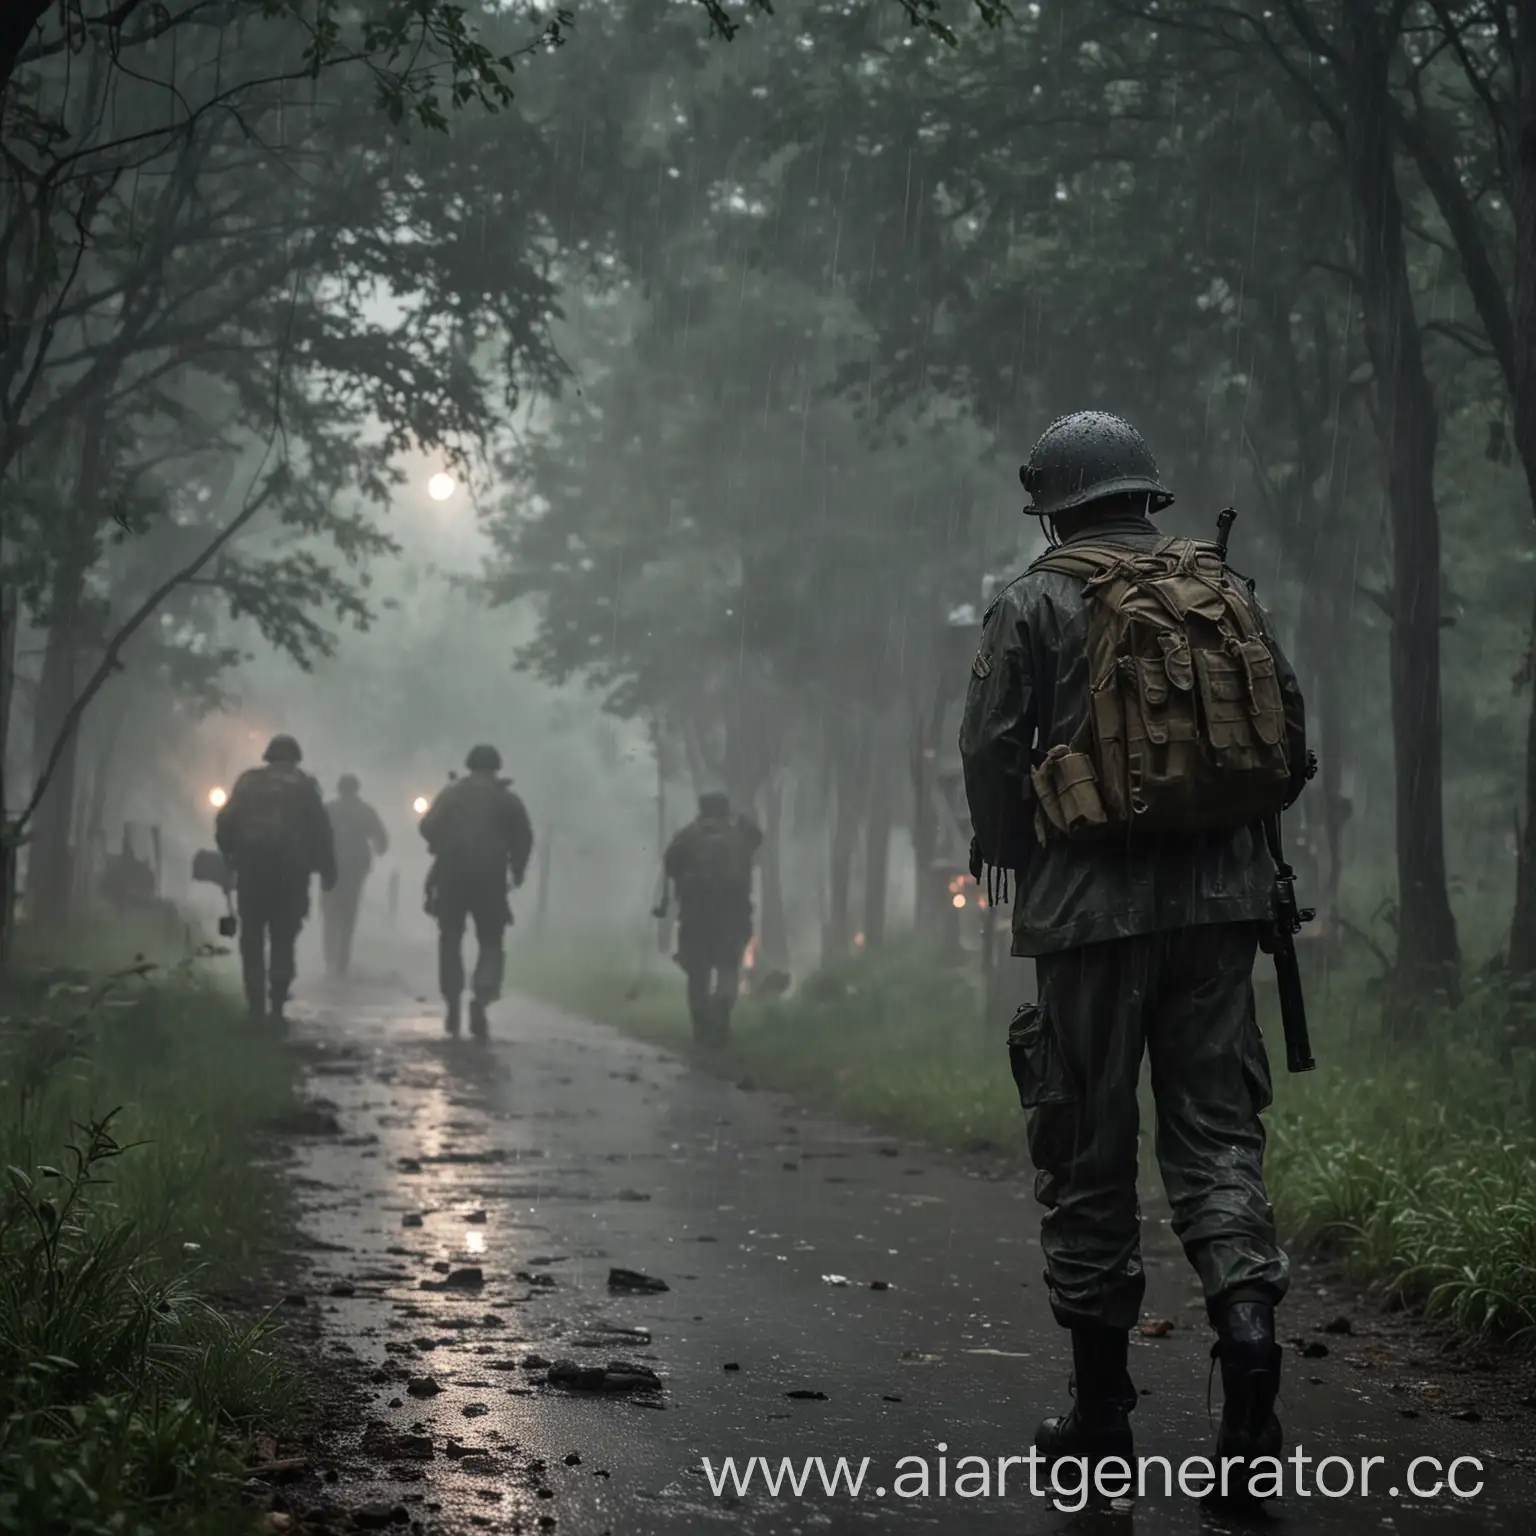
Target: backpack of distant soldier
719	859
271	825
1185	730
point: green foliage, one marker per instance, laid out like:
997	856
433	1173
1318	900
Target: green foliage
127	1104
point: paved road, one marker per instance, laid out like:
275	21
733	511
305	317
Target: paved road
584	1150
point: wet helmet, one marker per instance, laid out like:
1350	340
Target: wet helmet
483	759
282	749
1088	456
348	784
714	804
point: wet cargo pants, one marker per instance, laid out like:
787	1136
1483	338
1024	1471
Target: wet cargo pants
456	902
338	919
272	905
710	948
1185	998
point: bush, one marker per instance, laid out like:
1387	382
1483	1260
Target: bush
126	1111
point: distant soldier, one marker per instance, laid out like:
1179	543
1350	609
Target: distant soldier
709	865
274	832
360	838
479	834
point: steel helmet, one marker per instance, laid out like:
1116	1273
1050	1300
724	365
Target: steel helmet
282	749
483	759
1086	457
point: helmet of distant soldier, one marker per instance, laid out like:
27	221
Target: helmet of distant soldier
483	759
282	749
348	784
714	804
1089	456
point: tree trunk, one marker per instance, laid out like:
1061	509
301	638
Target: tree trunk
1522	163
1428	955
8	630
49	865
877	855
848	816
773	928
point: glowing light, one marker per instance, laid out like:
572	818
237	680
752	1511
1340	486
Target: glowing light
474	1242
217	799
749	959
440	487
419	805
957	900
858	941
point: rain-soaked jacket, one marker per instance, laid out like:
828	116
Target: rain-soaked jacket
1029	691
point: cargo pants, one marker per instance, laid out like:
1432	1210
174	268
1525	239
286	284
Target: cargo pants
272	904
1184	999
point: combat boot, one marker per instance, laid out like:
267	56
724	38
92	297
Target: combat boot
479	1025
451	1018
1249	1358
1099	1423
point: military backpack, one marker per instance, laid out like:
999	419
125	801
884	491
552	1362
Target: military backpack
1185	730
719	859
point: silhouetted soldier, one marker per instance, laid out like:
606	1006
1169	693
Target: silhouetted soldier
1130	719
709	865
359	837
274	832
478	833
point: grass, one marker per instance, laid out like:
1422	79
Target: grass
130	1196
1413	1164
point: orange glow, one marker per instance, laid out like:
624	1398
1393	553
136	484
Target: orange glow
749	959
957	900
419	805
858	941
218	799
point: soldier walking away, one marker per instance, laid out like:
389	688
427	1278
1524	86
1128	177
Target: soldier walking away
274	832
1129	720
709	865
359	837
478	833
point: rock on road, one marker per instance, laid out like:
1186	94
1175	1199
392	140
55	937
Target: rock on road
564	1150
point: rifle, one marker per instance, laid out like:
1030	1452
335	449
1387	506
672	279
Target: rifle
1288	918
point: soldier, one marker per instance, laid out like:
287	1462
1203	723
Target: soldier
709	865
1142	940
274	832
478	833
360	838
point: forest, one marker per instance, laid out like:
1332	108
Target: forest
730	325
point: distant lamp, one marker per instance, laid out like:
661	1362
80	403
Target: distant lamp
440	487
217	799
419	805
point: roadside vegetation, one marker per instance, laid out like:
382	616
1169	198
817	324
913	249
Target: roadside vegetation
131	1198
1413	1163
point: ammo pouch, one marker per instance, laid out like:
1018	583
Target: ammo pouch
1067	799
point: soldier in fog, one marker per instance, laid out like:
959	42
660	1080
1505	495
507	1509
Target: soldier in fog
479	836
1144	941
275	834
709	866
359	837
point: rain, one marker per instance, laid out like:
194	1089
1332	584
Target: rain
766	766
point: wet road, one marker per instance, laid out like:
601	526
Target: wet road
564	1149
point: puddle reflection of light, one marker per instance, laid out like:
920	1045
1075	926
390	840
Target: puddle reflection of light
474	1242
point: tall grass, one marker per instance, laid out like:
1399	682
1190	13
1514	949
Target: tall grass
130	1191
1413	1162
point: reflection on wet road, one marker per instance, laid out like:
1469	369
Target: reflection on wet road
828	1293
